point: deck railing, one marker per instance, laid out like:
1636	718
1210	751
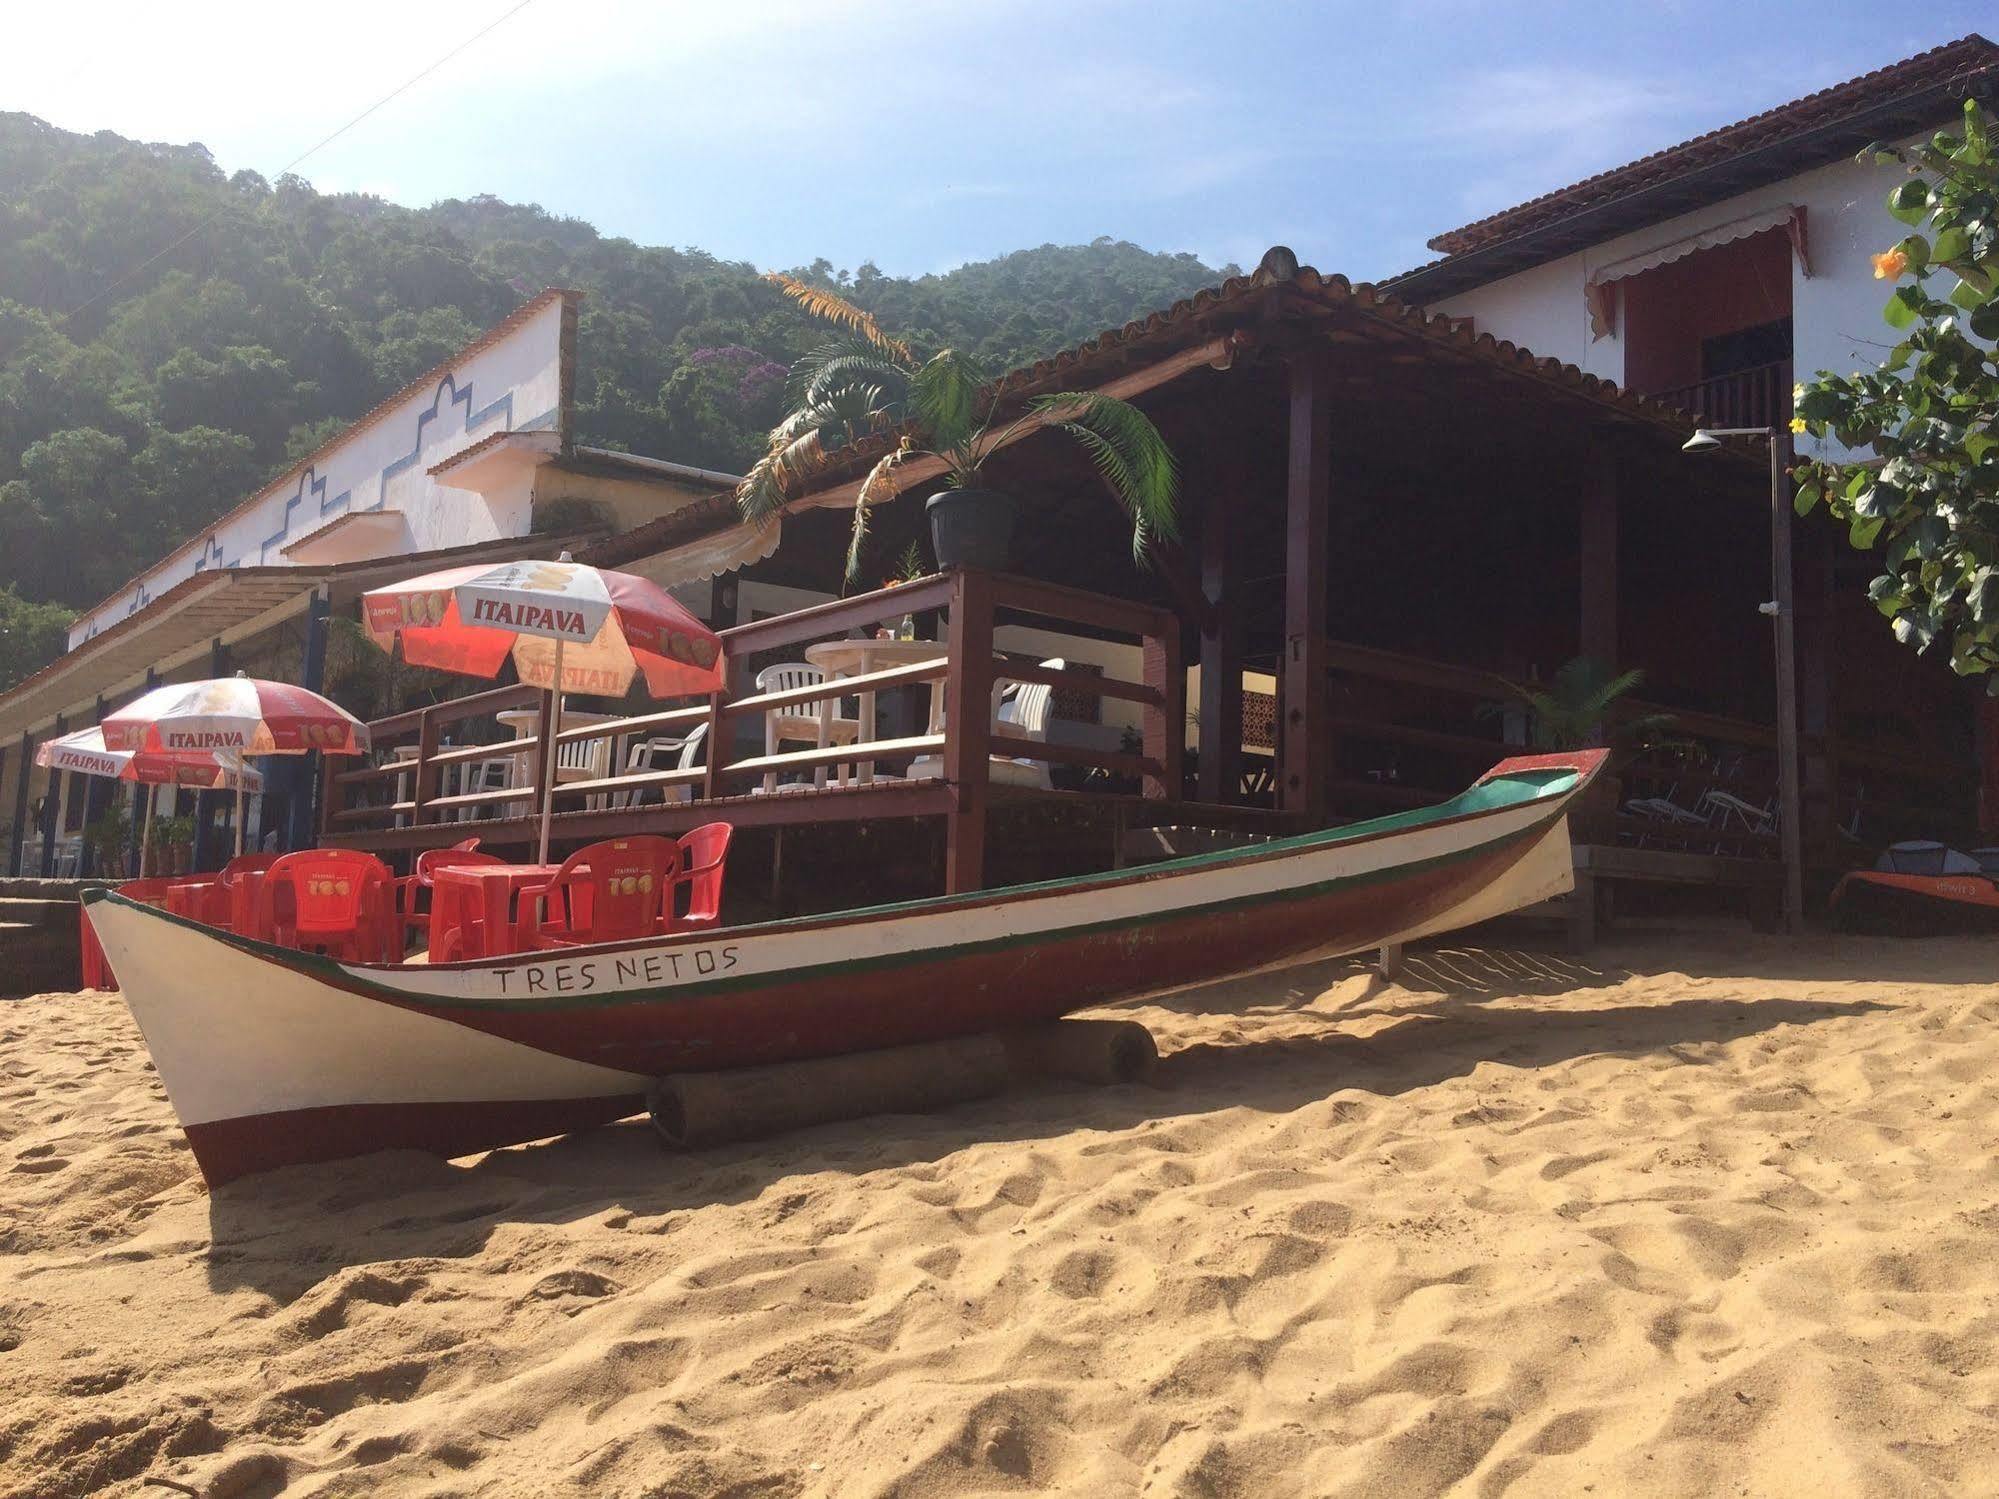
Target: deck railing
1755	397
399	801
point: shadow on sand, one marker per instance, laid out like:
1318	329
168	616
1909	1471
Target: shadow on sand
284	1232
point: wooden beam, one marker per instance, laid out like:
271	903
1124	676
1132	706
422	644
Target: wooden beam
968	726
1599	551
1305	737
1165	725
1221	651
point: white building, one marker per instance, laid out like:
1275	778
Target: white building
1715	272
472	461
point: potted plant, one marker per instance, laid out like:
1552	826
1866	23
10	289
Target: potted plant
108	837
945	407
1579	708
172	845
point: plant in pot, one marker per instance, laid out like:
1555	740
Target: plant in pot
948	409
109	837
1580	707
172	844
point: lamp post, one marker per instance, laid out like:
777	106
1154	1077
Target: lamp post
1784	631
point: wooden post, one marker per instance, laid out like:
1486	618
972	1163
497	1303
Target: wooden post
424	783
1599	552
1221	656
329	793
544	753
52	811
1305	739
968	727
1815	656
20	827
1165	725
300	814
96	795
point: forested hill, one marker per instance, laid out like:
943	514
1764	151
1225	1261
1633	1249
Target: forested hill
131	417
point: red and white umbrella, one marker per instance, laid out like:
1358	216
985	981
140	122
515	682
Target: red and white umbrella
83	753
239	714
596	628
568	627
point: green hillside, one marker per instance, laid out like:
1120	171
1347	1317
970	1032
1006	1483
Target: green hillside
132	416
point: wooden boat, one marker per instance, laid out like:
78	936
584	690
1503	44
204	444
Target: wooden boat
273	1057
1921	889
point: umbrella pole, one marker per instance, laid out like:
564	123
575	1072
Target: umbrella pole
145	827
550	751
239	815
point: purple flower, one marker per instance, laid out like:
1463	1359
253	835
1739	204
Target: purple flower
759	380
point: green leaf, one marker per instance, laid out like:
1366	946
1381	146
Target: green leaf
1807	499
1917	249
1968	297
1952	244
1863	531
1903	307
1985	321
1910	201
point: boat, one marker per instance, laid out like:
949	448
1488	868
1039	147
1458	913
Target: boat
1921	888
272	1057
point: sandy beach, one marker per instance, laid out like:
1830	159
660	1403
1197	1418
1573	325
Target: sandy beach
1703	1214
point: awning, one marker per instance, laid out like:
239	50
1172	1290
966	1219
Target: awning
710	556
1790	217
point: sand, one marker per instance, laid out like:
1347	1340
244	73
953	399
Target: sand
1704	1215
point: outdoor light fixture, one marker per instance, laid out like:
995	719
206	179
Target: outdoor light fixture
1783	622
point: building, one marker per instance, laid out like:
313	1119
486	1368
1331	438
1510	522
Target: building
1715	272
472	461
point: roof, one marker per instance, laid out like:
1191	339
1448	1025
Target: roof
368	418
584	459
208	604
1824	127
1250	307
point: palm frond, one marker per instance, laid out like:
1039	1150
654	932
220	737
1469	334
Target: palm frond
840	359
831	307
879	485
1131	455
944	398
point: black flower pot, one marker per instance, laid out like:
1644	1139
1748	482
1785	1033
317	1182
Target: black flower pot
971	528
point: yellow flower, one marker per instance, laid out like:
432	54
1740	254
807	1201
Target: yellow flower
1797	424
1889	265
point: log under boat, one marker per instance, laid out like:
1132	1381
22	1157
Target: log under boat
273	1057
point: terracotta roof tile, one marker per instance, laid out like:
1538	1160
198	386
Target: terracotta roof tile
1957	65
1238	303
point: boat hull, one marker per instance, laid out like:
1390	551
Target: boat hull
1886	903
271	1057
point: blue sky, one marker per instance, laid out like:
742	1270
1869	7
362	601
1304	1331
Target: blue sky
923	134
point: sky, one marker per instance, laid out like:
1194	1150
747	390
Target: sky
921	134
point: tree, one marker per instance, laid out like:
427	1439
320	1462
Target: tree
1929	496
30	634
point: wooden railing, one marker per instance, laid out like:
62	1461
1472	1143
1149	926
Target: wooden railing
1412	730
403	791
1756	397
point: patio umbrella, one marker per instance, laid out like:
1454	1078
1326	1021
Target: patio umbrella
242	715
83	753
567	626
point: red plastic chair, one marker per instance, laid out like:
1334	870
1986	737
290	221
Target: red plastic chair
603	893
704	856
338	900
199	897
241	909
414	900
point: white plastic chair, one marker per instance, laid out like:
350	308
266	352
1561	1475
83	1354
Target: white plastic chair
646	756
1023	708
802	721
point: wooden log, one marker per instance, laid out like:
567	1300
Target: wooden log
693	1110
1087	1051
